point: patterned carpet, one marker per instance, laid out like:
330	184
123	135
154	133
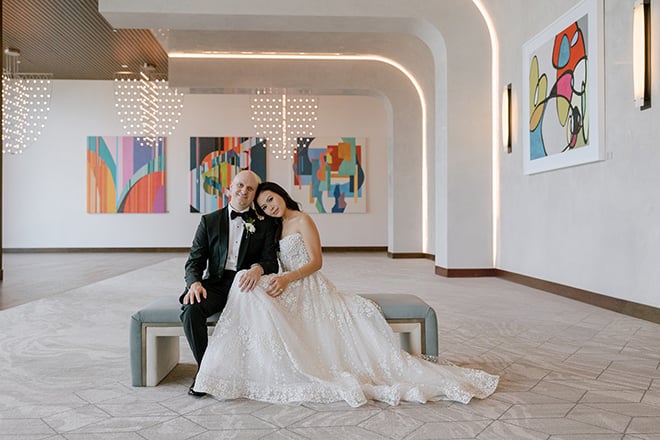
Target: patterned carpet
568	370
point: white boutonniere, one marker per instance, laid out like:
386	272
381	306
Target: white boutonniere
249	226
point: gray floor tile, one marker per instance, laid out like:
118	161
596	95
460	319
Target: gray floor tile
599	417
538	410
589	437
501	430
392	424
604	396
283	415
25	427
644	425
230	422
449	430
338	433
179	428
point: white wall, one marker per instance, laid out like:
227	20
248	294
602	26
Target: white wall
44	199
596	226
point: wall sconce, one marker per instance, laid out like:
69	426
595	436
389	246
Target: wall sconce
642	53
506	118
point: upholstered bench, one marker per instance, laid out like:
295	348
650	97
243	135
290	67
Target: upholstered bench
156	330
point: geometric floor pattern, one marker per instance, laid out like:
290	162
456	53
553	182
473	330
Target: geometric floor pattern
569	371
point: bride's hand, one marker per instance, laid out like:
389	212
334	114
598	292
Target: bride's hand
277	285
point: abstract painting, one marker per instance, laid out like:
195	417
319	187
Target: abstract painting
329	175
214	161
123	177
562	91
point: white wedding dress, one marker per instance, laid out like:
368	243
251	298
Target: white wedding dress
316	344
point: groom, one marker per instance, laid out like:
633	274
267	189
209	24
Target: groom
226	241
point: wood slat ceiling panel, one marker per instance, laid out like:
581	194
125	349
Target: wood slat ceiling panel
71	40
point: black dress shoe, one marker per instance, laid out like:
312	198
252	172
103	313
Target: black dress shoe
192	392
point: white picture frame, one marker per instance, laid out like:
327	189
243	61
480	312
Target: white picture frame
563	91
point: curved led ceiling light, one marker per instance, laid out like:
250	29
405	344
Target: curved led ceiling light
343	57
495	79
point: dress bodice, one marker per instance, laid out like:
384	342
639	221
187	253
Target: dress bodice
293	252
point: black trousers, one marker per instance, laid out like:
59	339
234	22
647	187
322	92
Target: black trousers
193	316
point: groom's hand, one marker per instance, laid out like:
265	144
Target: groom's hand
250	278
195	293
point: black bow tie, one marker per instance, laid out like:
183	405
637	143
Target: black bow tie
245	214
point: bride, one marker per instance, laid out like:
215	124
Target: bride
295	338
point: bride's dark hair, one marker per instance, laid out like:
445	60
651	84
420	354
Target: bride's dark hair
288	201
274	187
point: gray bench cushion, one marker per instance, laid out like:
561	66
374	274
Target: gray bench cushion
164	310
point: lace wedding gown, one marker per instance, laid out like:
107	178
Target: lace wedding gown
316	344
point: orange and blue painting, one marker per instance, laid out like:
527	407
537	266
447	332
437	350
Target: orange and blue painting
329	175
214	161
559	86
124	177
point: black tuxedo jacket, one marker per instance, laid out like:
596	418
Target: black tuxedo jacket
208	252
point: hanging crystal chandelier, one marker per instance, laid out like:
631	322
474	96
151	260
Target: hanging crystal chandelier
25	104
282	119
147	107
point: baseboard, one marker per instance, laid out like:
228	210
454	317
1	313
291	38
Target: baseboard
636	310
465	273
80	250
641	311
171	249
354	248
395	255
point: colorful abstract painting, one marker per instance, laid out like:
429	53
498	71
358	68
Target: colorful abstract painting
214	161
561	75
329	175
123	177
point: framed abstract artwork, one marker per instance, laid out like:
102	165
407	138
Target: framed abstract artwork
563	91
329	175
124	177
214	161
